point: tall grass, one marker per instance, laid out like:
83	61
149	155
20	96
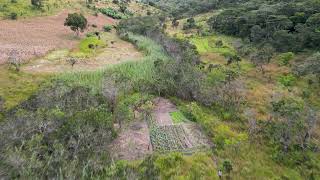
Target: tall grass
136	71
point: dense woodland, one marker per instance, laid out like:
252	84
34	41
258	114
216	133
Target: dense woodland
246	72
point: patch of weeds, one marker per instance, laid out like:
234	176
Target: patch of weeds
210	44
107	28
177	117
285	58
287	80
88	47
17	86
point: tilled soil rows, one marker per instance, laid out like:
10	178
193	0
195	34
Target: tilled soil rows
36	36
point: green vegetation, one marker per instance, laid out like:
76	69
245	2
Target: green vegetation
89	45
76	22
260	117
177	117
285	58
113	13
23	87
24	8
107	28
277	23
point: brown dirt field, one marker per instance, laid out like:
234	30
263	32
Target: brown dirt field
162	110
36	36
118	52
132	143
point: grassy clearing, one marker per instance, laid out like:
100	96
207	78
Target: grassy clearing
88	47
17	86
23	8
206	44
136	72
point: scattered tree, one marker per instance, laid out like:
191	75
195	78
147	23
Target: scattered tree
76	22
15	60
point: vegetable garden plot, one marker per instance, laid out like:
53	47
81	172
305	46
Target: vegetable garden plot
174	138
171	131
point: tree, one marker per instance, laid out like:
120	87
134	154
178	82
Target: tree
227	166
310	66
262	56
257	34
15	59
191	23
72	61
123	7
293	122
314	22
175	23
37	3
76	22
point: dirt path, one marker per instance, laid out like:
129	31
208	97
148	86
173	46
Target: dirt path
37	36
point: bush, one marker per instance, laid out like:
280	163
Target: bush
285	58
287	80
107	28
112	13
13	16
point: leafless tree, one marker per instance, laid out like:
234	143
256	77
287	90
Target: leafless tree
15	59
72	61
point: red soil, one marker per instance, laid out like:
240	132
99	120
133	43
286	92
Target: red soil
35	37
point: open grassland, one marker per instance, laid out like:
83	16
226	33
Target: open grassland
16	87
23	8
136	8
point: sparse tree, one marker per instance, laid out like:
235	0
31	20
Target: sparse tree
76	22
175	23
72	61
123	7
37	3
227	166
15	59
262	57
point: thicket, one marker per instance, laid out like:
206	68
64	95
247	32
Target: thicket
180	9
287	26
60	132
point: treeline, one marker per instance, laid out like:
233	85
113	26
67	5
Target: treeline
180	9
287	26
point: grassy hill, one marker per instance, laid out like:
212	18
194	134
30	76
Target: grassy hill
208	90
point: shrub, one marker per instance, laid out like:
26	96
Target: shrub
107	28
13	16
227	166
285	58
112	13
287	80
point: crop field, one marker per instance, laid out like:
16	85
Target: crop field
37	36
175	133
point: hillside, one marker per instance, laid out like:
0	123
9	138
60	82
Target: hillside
159	89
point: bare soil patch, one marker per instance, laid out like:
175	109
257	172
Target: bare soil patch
117	51
35	37
132	143
162	110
